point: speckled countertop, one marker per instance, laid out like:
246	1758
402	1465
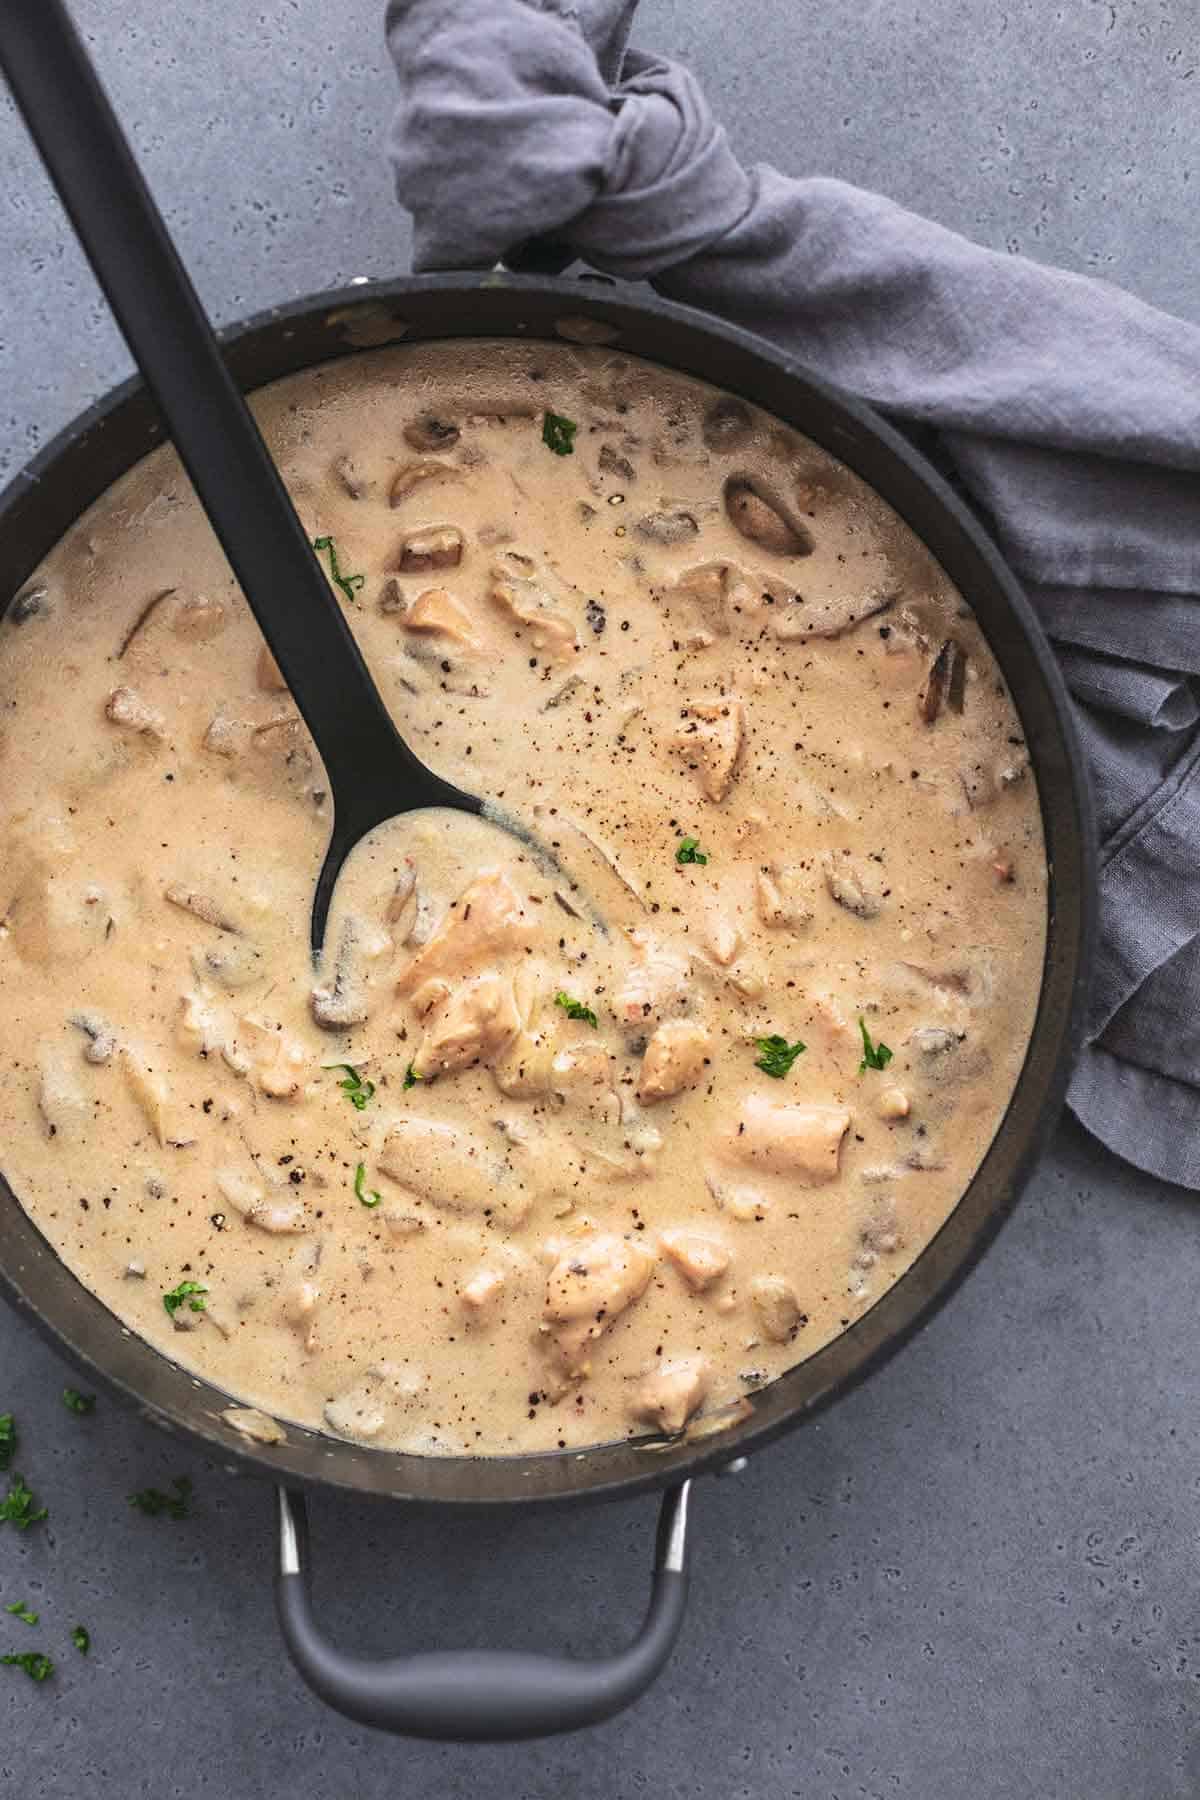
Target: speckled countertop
978	1575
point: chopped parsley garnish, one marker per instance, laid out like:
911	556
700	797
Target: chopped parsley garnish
356	1090
8	1439
776	1055
191	1291
349	584
689	851
152	1501
368	1196
18	1506
411	1078
575	1009
76	1402
558	434
36	1664
81	1637
874	1056
19	1610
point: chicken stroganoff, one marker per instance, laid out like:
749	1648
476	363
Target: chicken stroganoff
540	1157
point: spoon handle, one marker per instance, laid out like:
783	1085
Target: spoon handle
159	313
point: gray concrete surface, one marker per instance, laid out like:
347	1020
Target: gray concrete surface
978	1575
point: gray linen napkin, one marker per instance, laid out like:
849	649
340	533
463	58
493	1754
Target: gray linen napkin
1069	412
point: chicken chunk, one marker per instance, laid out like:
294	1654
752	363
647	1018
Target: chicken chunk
787	1138
126	708
551	633
455	1169
590	1285
486	921
675	1059
710	742
779	898
657	983
480	1292
700	1257
671	1392
438	612
475	1023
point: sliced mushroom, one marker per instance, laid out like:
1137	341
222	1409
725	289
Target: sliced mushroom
669	526
102	1039
763	519
430	433
613	463
350	478
347	1000
421	473
439	547
268	674
727	424
776	1307
848	884
946	682
201	906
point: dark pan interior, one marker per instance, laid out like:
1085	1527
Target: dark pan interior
77	468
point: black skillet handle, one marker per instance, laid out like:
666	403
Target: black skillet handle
481	1695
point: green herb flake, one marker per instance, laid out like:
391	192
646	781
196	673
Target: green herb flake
81	1637
689	851
357	1091
191	1291
153	1502
79	1403
8	1439
20	1610
411	1078
575	1009
349	584
19	1506
36	1663
368	1196
558	434
874	1056
776	1055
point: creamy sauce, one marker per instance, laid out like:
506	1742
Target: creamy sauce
576	1180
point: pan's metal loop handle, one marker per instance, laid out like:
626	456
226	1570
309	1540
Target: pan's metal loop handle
481	1694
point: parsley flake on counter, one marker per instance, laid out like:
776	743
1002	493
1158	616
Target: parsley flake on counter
20	1610
81	1637
356	1090
368	1196
76	1402
575	1009
36	1663
689	851
18	1506
411	1078
191	1291
8	1439
152	1501
349	584
558	434
874	1056
776	1055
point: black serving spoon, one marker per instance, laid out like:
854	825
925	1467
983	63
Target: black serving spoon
373	775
